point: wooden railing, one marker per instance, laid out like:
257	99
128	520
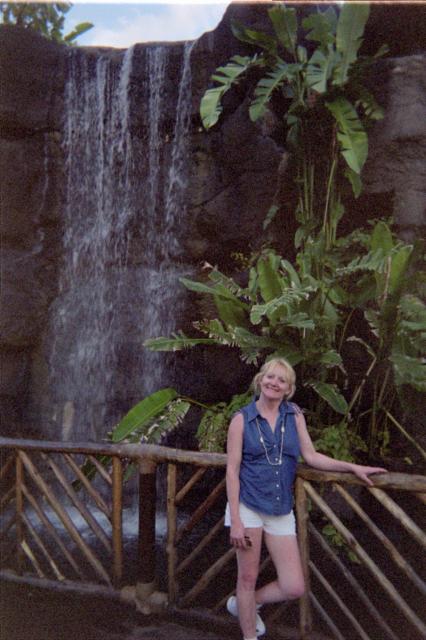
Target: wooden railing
363	577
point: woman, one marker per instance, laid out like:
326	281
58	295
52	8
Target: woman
265	440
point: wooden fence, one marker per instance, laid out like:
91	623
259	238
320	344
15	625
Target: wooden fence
362	548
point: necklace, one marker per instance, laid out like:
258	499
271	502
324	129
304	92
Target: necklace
262	440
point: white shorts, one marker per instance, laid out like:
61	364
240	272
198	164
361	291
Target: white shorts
275	525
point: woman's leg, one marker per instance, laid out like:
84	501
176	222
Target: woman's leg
290	584
248	569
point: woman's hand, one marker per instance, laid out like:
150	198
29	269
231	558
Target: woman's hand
362	472
238	538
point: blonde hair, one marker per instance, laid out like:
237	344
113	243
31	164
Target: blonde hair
270	364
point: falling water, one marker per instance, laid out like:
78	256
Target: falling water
167	210
110	300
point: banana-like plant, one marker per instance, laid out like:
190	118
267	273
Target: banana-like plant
324	92
309	311
286	311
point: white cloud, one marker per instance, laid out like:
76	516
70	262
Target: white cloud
173	22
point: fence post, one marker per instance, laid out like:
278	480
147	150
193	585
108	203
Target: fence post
117	519
19	510
302	534
171	531
146	544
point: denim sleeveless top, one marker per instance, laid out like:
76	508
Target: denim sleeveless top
265	488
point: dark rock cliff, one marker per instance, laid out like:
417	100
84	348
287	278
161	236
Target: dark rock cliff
232	178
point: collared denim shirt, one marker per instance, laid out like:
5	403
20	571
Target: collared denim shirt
264	487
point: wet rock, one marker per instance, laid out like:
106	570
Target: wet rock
32	69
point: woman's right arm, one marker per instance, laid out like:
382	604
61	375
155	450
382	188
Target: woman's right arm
234	453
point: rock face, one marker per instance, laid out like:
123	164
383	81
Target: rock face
230	183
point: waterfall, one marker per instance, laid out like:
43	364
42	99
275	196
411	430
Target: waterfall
124	212
167	209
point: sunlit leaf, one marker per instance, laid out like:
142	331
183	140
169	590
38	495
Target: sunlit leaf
143	412
331	394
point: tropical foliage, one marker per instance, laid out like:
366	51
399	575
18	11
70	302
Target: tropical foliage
344	297
365	298
46	17
327	105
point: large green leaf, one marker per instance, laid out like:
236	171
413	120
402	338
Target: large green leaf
351	135
290	352
398	259
284	21
368	102
355	180
374	261
269	279
331	395
175	343
321	27
294	276
267	85
381	238
81	28
226	283
319	70
256	38
330	358
227	76
400	263
218	291
349	32
144	411
409	370
217	332
230	313
281	308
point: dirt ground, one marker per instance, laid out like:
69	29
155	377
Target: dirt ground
34	614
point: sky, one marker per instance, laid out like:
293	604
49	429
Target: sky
123	24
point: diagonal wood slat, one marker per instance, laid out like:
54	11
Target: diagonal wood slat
387	544
7	466
338	600
385	583
79	504
42	548
201	545
8	496
87	485
101	470
31	557
400	515
64	517
201	510
188	486
324	615
421	497
208	576
353	582
51	529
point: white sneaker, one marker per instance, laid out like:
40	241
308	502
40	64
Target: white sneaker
231	605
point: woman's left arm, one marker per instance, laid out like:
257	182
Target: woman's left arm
325	463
